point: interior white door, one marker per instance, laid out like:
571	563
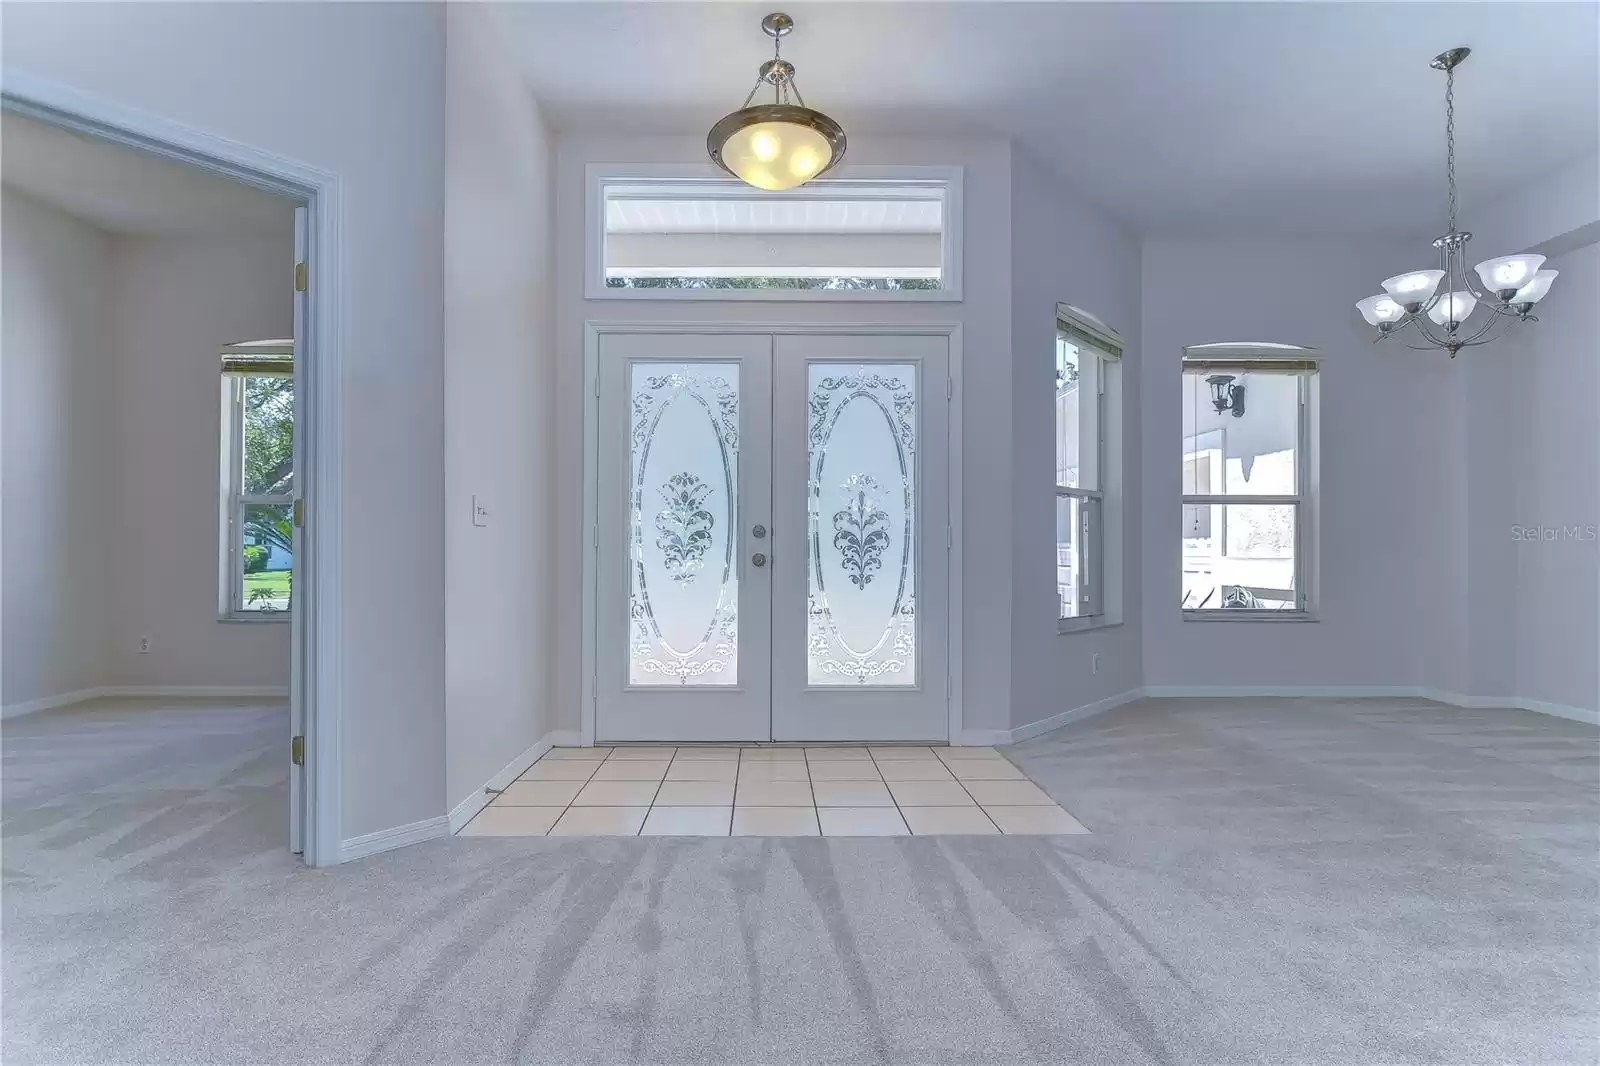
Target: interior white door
684	494
860	502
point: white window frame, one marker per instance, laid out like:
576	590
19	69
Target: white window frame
703	180
1100	347
1304	364
230	603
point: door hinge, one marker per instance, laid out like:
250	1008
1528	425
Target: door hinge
299	277
299	514
949	388
297	750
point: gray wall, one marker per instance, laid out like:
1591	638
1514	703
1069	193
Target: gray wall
499	432
56	422
1064	250
176	302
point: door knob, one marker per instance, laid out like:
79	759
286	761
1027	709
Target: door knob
758	532
758	559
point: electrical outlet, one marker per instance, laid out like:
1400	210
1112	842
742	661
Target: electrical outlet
144	645
480	513
1094	663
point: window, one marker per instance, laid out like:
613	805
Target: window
1087	354
1247	481
258	492
672	236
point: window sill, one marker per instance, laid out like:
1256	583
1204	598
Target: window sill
254	618
1245	615
1085	624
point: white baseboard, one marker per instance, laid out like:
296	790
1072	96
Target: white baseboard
468	808
1454	699
397	837
1002	737
82	695
1518	703
1335	692
202	691
47	703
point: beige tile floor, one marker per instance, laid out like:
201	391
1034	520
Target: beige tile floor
723	790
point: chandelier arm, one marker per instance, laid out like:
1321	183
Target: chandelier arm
1437	341
795	88
752	95
1476	338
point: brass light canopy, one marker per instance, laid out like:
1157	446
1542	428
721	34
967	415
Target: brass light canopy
781	144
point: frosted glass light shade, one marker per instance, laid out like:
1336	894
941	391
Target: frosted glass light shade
1535	290
1453	308
775	154
1414	287
1380	309
1508	271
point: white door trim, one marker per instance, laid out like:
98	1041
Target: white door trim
592	331
318	599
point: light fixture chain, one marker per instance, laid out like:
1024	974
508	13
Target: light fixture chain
1450	140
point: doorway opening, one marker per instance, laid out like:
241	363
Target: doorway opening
212	246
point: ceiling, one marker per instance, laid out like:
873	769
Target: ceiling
124	190
1180	117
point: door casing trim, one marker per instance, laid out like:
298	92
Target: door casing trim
594	330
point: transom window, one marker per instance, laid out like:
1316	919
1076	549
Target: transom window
257	452
1248	484
1086	363
658	236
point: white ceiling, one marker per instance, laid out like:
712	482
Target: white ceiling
1179	117
124	190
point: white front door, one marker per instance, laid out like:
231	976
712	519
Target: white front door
771	547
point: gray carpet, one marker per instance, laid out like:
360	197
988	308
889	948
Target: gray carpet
1268	881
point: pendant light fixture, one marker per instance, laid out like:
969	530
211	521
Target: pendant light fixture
1507	287
781	144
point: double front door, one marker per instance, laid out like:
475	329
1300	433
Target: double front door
772	537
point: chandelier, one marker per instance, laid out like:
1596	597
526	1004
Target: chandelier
781	144
1507	287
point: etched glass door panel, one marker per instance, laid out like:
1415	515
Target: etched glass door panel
682	612
861	606
683	602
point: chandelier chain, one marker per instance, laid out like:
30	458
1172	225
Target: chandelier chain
1450	141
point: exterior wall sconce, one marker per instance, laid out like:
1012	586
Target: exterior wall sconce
1225	395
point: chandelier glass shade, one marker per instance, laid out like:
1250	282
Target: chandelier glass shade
1507	287
781	144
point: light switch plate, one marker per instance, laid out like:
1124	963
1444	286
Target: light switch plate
480	513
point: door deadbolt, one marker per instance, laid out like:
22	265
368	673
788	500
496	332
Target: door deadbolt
759	532
758	559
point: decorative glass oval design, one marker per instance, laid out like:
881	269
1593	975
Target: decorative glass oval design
861	611
684	594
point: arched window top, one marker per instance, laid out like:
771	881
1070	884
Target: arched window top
1244	348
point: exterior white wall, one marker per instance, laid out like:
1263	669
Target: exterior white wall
499	406
57	480
1390	529
362	98
985	316
1063	250
175	302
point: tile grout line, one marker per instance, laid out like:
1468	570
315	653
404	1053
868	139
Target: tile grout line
892	797
576	794
651	806
974	799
